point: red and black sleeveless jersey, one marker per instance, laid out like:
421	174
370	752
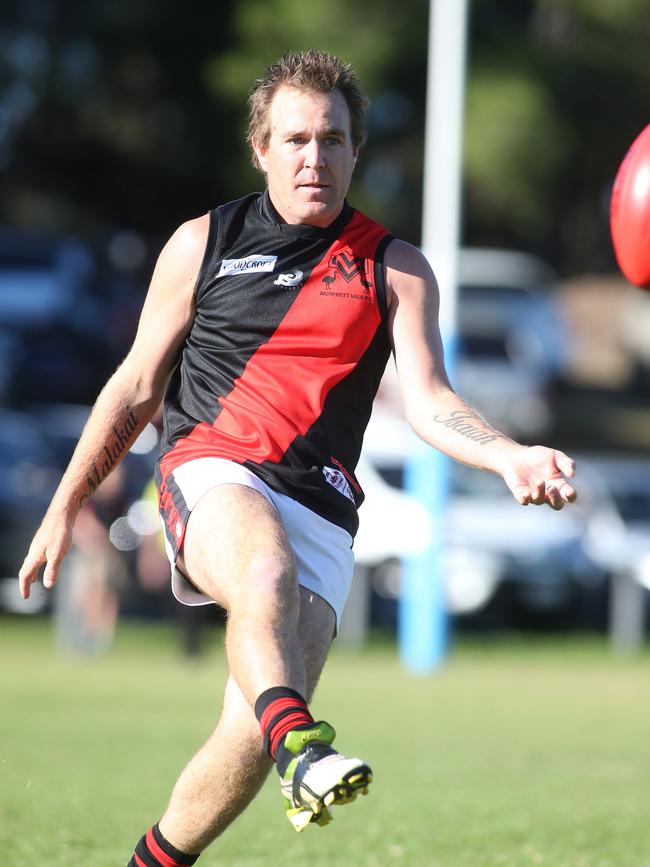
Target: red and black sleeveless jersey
285	354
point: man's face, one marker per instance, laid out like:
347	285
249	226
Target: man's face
309	158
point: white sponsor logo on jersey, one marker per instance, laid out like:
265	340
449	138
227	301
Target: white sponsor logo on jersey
290	279
337	480
247	264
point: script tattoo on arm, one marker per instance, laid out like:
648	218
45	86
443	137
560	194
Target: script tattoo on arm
469	425
110	454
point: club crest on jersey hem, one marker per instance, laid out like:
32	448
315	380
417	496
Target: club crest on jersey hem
337	480
246	265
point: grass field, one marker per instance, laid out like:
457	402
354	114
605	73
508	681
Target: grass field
517	753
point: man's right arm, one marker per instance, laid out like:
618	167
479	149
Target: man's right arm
128	400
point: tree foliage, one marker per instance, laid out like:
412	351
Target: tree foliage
557	92
131	113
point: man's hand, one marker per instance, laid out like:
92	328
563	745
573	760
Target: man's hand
49	546
538	475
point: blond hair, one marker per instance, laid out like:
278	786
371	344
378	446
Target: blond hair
317	71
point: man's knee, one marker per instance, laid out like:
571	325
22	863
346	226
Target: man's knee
271	578
236	550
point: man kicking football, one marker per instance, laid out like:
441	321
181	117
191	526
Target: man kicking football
267	327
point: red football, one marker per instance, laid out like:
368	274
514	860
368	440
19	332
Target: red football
629	216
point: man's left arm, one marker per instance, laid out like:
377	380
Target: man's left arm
441	417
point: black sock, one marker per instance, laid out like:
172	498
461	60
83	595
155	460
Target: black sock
283	757
279	711
154	851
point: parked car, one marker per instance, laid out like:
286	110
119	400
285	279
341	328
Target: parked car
61	425
635	329
532	561
503	565
35	448
511	338
42	279
28	476
619	532
53	343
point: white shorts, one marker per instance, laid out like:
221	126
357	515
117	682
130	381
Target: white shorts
323	550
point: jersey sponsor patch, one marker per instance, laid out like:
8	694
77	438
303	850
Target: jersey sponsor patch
293	278
337	480
247	265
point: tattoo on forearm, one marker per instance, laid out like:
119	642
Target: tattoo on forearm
469	425
110	454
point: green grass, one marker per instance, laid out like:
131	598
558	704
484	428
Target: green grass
517	753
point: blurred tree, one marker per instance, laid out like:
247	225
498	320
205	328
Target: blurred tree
557	91
508	162
134	115
131	113
118	129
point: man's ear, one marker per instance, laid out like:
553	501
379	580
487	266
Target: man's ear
260	153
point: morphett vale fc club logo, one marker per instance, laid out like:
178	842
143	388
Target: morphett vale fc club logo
350	267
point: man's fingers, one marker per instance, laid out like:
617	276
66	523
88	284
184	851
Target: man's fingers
51	573
25	583
525	494
28	574
554	494
554	498
521	495
566	464
538	493
541	480
568	492
49	546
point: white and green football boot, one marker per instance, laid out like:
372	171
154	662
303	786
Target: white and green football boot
319	777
